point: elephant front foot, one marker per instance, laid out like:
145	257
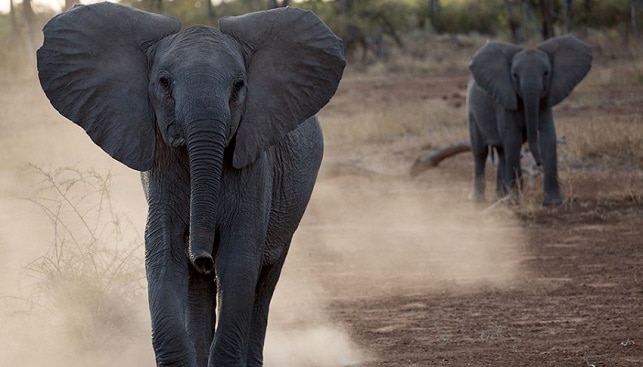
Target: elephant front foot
552	200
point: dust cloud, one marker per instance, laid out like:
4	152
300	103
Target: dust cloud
365	238
361	237
369	238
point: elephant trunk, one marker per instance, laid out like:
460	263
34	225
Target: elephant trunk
205	143
532	118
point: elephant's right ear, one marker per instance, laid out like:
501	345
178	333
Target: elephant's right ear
491	70
93	68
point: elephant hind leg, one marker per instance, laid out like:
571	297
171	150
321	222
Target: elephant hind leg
480	152
509	170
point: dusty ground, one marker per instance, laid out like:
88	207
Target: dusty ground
573	295
387	270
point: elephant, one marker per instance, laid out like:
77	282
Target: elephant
510	97
222	123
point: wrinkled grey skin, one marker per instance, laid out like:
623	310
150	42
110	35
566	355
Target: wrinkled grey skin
222	124
509	102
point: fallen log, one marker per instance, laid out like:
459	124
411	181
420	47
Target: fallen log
432	158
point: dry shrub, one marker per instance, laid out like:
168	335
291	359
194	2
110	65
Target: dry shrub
91	279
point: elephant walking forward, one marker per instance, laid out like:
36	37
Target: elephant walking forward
509	102
222	123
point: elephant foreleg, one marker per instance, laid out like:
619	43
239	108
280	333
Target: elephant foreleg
237	264
480	152
201	313
167	274
547	140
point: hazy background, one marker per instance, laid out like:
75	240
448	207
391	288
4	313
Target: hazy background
369	232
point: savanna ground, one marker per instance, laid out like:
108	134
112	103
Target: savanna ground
385	270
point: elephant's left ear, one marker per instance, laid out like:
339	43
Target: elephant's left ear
294	65
571	60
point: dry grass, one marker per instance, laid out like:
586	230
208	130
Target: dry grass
613	142
434	120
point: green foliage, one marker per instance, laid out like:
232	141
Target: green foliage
602	14
463	17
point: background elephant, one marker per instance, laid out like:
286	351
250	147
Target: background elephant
509	102
222	121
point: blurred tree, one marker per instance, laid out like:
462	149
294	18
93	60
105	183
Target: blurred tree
69	4
635	11
212	15
513	20
29	25
343	7
272	4
15	28
367	24
567	14
547	16
434	15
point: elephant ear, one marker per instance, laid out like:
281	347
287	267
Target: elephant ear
491	70
570	60
93	68
294	64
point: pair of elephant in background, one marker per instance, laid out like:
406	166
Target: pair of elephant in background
222	124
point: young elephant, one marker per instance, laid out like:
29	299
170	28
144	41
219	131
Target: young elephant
222	122
509	102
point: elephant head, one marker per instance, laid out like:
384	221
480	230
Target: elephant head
134	82
533	79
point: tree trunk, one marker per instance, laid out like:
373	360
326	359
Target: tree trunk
29	33
343	7
530	21
212	15
434	13
547	19
14	21
634	9
567	8
514	23
273	4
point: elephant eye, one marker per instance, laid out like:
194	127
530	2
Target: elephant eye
166	84
238	86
